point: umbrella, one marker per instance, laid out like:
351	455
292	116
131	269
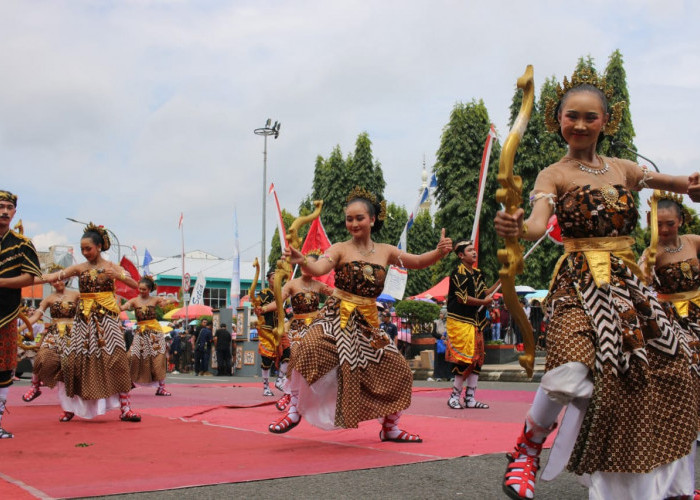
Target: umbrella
194	322
125	315
524	289
169	314
193	311
385	297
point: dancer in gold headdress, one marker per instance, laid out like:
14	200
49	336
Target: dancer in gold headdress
95	367
612	355
47	363
147	358
346	369
305	294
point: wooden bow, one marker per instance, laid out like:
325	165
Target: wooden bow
654	240
510	195
22	316
283	271
254	299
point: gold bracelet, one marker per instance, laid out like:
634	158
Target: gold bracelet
304	262
123	275
523	231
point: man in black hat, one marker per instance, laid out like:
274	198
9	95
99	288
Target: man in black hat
19	265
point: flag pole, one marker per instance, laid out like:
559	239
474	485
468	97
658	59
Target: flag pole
184	292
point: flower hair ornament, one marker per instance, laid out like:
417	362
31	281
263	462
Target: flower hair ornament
106	243
584	76
362	193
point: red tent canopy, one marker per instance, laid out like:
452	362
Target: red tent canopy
438	292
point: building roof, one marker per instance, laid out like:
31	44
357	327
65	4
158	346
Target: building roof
197	261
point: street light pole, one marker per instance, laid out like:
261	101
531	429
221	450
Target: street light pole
265	131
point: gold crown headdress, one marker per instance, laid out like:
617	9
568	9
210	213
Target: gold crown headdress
584	76
106	243
7	196
360	192
678	200
55	268
463	243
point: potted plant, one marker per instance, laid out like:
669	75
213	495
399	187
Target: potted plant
419	316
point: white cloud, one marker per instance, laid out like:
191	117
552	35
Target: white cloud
128	113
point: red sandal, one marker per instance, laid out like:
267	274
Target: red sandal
31	394
66	417
284	424
162	392
403	437
283	402
130	416
524	462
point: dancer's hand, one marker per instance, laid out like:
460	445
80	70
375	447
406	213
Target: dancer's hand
509	225
694	187
444	246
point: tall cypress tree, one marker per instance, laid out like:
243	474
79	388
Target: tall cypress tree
617	146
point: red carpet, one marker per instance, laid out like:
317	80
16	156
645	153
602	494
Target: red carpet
213	434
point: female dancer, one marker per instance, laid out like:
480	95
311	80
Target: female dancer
677	274
47	363
346	369
147	358
611	351
305	293
95	366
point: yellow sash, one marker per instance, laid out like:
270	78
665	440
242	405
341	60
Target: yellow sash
150	324
307	318
61	325
105	299
681	300
349	302
597	252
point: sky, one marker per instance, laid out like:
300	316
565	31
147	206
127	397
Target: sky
127	113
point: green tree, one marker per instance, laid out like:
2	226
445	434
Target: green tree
422	237
586	62
617	145
335	177
457	169
394	223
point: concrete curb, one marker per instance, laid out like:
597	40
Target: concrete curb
509	376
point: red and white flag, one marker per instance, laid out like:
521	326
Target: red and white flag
317	239
485	159
280	221
179	222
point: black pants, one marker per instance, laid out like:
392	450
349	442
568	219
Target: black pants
201	360
223	359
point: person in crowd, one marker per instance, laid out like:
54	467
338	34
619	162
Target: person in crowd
47	363
147	357
95	365
441	368
612	354
222	344
346	369
19	265
467	298
495	322
202	349
388	327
